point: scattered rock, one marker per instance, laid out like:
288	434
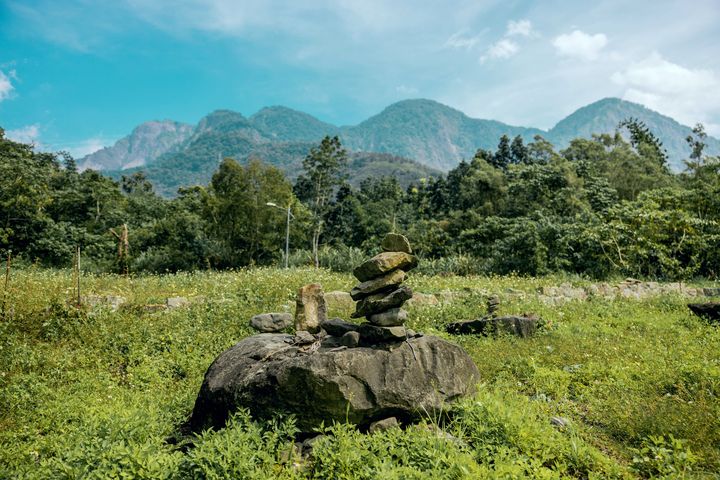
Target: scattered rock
559	422
711	292
383	263
379	302
271	322
423	299
350	339
389	318
338	300
154	308
114	302
521	326
493	304
267	375
310	308
382	425
176	302
338	327
709	311
389	281
394	242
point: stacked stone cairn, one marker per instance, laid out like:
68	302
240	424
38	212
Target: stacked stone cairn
381	294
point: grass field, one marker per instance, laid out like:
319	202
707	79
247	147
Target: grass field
98	394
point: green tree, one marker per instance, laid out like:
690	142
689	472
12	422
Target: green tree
519	152
324	170
247	229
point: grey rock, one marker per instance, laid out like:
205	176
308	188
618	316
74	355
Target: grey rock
389	281
394	242
310	308
384	424
177	302
114	302
514	325
303	337
373	335
560	422
380	302
423	299
338	300
338	327
711	292
383	263
267	375
350	339
389	318
271	322
709	311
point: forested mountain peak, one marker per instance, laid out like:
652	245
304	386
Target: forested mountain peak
428	132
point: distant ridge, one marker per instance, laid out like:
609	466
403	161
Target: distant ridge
421	135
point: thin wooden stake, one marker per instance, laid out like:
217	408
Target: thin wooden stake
77	266
7	283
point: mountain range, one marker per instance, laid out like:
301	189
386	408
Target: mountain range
410	139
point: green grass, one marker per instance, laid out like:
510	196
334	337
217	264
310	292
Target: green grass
97	394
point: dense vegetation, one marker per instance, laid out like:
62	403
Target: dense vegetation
92	393
600	207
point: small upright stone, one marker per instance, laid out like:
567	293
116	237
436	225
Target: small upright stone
394	242
310	308
493	303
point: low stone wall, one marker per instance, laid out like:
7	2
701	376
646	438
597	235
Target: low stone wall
565	292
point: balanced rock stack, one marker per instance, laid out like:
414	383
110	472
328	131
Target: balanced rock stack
381	293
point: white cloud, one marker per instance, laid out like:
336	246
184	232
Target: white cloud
87	146
6	87
688	95
519	27
27	134
579	44
503	48
461	39
406	90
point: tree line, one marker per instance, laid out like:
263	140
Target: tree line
601	207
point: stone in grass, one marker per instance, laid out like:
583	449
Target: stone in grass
384	262
380	302
310	308
389	318
271	322
384	424
514	325
338	300
394	242
389	281
709	311
176	302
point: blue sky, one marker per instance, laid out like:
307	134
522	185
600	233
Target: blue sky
79	74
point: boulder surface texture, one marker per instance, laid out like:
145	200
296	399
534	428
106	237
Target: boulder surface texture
268	374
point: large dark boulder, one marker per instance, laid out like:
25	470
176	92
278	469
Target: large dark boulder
268	375
709	311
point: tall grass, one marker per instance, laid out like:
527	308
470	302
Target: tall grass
96	393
